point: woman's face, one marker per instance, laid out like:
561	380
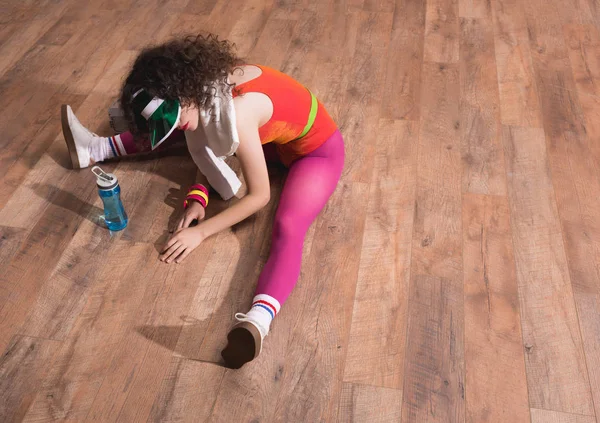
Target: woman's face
188	121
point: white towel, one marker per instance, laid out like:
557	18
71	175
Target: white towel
215	139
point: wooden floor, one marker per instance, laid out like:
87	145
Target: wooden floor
453	277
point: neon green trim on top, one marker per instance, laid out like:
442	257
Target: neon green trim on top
314	105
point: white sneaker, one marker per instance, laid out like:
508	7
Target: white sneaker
78	138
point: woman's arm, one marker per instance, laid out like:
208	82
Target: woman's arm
254	168
194	211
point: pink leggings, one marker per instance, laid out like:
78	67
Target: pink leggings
310	182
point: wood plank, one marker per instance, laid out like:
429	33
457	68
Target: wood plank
378	331
434	387
363	403
142	356
131	273
441	31
434	363
378	5
21	41
496	383
69	24
246	30
475	9
583	44
519	103
575	178
437	238
299	63
33	264
25	207
270	50
202	7
10	241
481	147
182	398
404	57
364	82
23	367
556	370
575	173
545	416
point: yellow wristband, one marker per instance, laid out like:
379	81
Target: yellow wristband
200	193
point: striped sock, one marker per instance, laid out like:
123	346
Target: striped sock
263	311
107	148
116	146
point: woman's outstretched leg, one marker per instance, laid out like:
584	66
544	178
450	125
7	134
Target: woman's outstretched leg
87	148
309	185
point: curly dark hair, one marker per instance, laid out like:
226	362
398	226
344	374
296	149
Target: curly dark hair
180	69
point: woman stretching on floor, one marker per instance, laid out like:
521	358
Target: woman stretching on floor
171	87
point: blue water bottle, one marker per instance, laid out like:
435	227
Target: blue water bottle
110	193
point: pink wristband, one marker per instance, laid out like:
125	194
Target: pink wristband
199	187
197	192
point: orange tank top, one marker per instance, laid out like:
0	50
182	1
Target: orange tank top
291	108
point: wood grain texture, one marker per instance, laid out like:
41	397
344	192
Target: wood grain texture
10	241
434	386
519	103
364	403
85	357
545	416
574	174
143	355
475	8
496	389
363	81
23	367
377	339
20	41
481	147
405	55
583	44
181	397
415	279
437	236
546	298
441	31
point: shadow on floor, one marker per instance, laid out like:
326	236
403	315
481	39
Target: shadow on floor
68	201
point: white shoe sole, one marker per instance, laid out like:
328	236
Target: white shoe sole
66	128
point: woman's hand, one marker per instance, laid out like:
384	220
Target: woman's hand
181	244
195	211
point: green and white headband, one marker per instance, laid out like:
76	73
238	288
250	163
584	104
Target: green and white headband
161	116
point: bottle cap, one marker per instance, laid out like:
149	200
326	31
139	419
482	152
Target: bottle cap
104	180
